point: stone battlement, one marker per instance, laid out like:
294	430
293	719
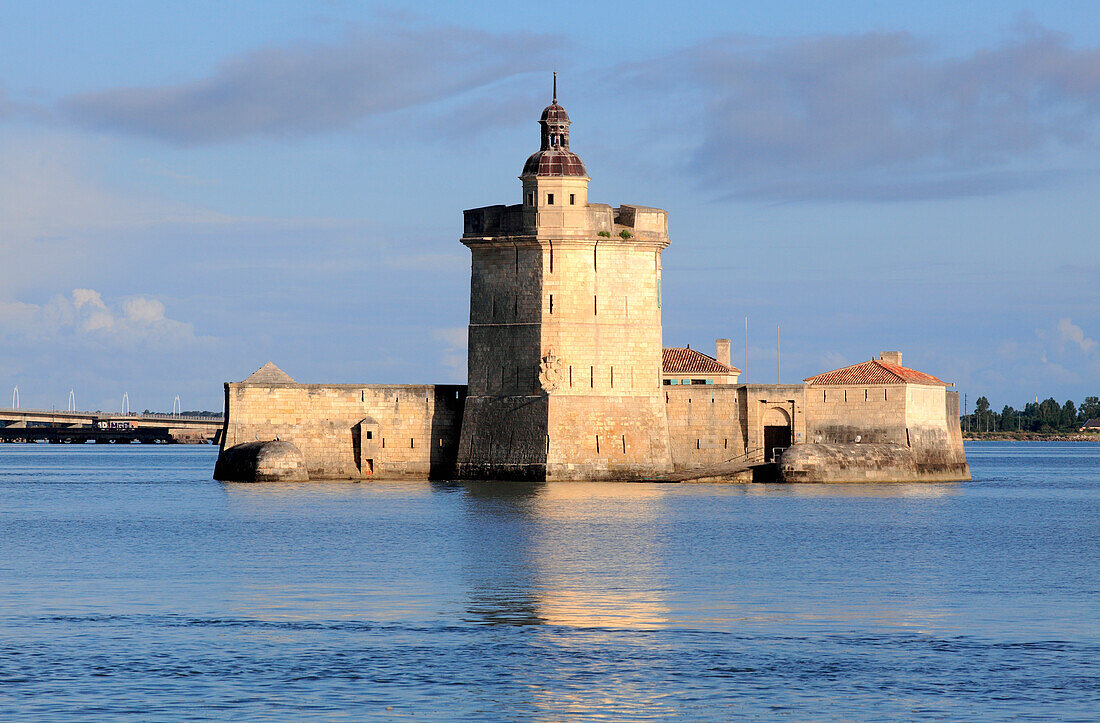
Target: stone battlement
641	222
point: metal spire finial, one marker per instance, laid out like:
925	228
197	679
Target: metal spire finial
555	86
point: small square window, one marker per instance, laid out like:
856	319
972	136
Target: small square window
549	199
370	434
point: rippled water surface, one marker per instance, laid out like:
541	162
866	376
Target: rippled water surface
133	586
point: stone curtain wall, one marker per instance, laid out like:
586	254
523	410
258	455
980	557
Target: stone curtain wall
706	424
414	428
604	437
876	414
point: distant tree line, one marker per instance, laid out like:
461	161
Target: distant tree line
1047	416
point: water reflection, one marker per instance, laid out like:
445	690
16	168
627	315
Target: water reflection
858	489
584	555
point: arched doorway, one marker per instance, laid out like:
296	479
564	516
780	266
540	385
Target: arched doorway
777	433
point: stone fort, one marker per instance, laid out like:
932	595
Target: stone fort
568	378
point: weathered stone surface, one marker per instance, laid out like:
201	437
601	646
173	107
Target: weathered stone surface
855	462
273	461
351	431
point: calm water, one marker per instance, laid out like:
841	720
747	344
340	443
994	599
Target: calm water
133	586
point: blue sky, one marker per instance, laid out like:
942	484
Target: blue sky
188	190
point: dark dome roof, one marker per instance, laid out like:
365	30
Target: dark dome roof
554	162
554	113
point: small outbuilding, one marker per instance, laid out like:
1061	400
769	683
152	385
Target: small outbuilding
684	365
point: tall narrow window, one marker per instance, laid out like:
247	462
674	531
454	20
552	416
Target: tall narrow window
612	377
551	303
597	444
549	199
570	375
624	444
572	199
592	377
595	307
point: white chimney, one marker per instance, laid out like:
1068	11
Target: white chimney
722	351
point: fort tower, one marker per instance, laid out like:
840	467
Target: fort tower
565	329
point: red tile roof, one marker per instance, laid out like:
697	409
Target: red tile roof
875	371
554	162
680	360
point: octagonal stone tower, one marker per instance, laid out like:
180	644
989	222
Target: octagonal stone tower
565	329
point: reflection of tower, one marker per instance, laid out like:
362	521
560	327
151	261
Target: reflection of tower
565	329
549	564
502	577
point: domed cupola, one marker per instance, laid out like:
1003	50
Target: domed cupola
554	157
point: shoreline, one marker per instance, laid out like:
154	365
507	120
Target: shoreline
1032	437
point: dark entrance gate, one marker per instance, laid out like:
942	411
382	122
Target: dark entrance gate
776	440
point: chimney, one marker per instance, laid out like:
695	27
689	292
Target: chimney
891	357
722	351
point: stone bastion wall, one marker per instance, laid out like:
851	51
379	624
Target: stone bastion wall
351	431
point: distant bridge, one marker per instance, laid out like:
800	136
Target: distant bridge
33	425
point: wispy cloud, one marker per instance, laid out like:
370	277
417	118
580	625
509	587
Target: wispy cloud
310	87
453	356
83	318
1071	333
877	116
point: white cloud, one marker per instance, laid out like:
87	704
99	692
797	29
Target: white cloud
1070	332
83	318
453	358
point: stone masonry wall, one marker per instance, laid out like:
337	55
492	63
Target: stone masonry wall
705	424
593	304
403	430
838	414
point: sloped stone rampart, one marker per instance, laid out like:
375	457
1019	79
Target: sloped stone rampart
852	462
261	462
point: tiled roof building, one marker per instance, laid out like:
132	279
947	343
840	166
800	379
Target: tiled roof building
885	370
684	365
